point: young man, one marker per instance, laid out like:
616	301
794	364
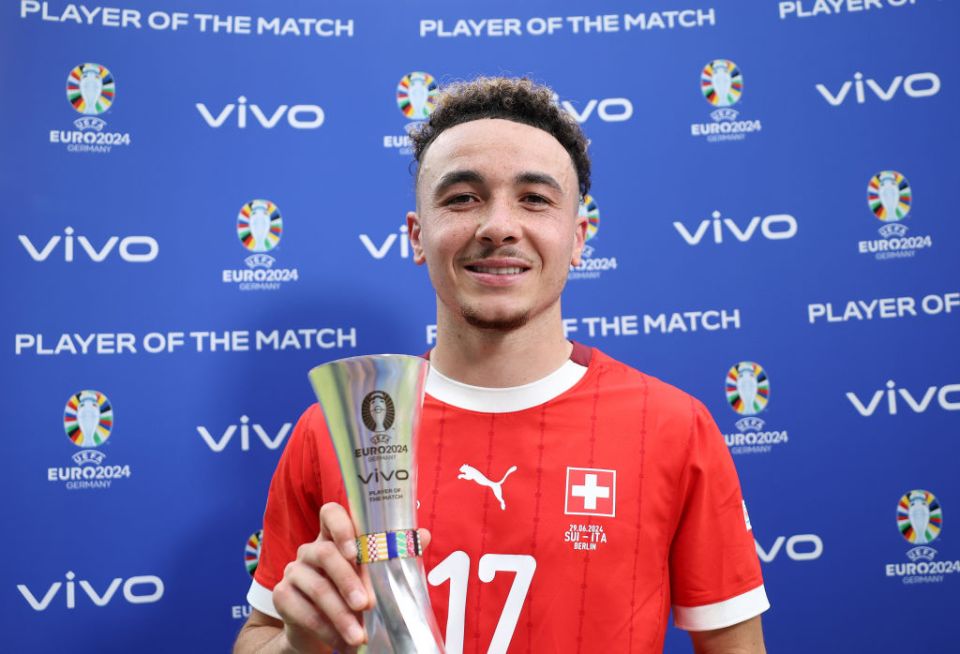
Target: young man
610	494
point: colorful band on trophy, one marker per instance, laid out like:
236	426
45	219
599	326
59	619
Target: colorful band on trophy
384	546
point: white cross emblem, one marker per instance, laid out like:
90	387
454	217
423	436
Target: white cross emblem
591	491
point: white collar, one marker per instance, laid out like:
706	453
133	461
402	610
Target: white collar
504	400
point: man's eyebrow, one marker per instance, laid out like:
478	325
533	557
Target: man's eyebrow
538	178
457	177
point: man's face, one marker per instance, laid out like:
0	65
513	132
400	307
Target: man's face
497	221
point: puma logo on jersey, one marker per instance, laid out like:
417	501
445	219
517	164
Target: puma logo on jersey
472	474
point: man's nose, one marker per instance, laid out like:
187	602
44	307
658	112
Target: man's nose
499	224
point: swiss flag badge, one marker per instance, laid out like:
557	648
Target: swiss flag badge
591	491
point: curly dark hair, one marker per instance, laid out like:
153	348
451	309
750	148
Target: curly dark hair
520	100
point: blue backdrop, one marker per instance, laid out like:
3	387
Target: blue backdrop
204	200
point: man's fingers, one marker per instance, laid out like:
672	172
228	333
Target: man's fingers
336	526
324	556
365	577
319	590
301	616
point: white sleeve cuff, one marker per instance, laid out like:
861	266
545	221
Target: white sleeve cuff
261	599
721	614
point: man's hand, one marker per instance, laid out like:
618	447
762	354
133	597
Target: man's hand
322	593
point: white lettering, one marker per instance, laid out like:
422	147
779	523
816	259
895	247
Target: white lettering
133	582
917	85
107	594
98	599
609	110
300	116
218	445
776	227
916	405
95	254
791	548
384	248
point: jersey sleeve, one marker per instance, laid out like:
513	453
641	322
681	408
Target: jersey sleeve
292	515
715	577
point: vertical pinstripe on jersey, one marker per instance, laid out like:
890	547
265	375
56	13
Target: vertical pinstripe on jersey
586	558
639	523
536	519
483	529
435	494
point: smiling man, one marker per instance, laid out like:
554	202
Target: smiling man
617	499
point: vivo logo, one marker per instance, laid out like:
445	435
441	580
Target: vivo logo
380	476
801	547
918	85
775	228
380	251
133	249
916	404
299	116
245	427
609	110
143	589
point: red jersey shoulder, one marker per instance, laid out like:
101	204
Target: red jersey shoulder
318	473
667	401
313	419
673	421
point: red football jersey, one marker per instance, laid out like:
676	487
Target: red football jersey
567	515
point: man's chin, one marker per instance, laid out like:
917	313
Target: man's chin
495	323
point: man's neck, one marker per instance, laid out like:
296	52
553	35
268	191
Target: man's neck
498	359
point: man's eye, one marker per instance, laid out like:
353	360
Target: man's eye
460	199
536	199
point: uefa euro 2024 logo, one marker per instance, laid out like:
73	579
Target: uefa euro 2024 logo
417	95
251	553
919	517
748	391
88	423
890	198
721	84
589	211
919	521
378	413
259	228
91	91
591	267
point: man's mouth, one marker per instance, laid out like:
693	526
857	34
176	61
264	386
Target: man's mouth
492	270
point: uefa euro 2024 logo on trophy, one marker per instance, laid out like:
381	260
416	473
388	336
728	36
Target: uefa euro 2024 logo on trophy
372	406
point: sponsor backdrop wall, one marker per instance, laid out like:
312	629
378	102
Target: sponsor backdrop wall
203	200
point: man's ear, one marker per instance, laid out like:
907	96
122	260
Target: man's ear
579	237
413	232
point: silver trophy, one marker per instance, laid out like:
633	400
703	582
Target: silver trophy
372	406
